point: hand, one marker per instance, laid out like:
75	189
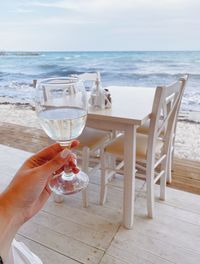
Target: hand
29	189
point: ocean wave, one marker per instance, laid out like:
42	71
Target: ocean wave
47	66
116	68
58	73
148	75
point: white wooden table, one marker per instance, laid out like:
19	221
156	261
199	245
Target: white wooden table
131	107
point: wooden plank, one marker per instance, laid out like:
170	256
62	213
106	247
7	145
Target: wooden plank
171	237
186	175
135	254
33	139
186	184
182	186
176	198
148	248
71	209
107	259
21	137
60	243
47	255
98	238
113	215
170	211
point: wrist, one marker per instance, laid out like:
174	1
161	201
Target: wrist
8	209
9	225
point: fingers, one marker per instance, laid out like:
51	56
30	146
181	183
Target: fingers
65	157
47	153
72	164
75	170
51	151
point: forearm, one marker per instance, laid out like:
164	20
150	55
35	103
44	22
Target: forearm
9	225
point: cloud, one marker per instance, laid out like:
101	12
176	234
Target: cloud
67	5
113	8
100	24
23	10
98	5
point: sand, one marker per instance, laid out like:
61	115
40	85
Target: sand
187	145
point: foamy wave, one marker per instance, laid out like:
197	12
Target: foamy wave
117	68
19	91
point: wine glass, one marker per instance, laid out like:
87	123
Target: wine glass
61	106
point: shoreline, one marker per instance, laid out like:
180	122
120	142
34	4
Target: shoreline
187	144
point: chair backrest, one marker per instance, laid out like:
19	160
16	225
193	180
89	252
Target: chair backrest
89	79
89	76
184	79
165	109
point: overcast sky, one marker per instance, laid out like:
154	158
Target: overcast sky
99	25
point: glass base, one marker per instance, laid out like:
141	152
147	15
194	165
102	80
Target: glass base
68	184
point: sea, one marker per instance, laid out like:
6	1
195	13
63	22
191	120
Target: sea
132	68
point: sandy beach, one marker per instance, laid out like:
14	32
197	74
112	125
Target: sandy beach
187	137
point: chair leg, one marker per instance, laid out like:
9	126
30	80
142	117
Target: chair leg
112	165
163	187
85	198
103	183
150	193
169	167
85	168
170	163
163	178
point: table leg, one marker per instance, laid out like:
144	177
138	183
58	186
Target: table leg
129	176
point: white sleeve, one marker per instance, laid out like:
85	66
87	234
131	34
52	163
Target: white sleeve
21	254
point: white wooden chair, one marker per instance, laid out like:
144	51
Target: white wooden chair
153	149
144	129
91	141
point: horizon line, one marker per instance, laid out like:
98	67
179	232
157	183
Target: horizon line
186	50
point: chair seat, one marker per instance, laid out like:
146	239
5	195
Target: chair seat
91	137
144	129
117	147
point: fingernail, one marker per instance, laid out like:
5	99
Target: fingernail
75	170
71	163
74	143
65	153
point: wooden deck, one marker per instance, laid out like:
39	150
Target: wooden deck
67	233
186	174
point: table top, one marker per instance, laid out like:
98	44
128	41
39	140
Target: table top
130	105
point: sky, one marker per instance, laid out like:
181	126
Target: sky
98	25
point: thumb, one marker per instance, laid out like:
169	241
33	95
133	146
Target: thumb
57	162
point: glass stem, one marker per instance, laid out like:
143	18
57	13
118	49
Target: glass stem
67	173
